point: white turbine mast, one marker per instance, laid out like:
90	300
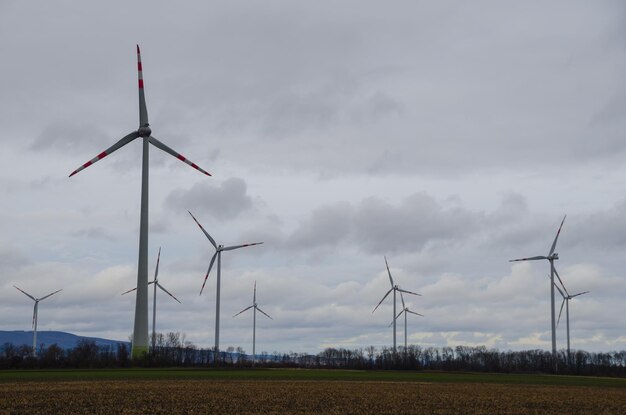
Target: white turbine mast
566	298
218	254
395	288
156	284
35	313
405	311
255	307
551	257
140	328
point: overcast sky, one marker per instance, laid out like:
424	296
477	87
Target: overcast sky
448	136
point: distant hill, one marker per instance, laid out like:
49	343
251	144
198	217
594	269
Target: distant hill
62	339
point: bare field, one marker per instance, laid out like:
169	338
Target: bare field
281	397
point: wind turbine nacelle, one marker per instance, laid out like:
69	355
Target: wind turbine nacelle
555	255
144	131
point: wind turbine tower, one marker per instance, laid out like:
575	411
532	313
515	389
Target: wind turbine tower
405	310
155	281
255	307
218	254
566	297
140	329
35	311
395	288
551	257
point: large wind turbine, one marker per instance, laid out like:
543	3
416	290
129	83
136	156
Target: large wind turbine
218	253
155	281
405	310
140	329
552	256
35	309
566	297
393	288
255	307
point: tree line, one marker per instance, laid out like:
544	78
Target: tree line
173	350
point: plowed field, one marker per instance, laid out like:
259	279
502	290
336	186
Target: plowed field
283	397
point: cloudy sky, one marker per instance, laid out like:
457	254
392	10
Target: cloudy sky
448	136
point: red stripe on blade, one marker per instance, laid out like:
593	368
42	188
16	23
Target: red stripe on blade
141	83
102	155
181	157
139	66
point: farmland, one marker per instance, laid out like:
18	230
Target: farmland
303	391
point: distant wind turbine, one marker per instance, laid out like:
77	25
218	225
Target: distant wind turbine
566	297
393	288
218	253
35	311
552	256
405	310
140	330
155	281
255	307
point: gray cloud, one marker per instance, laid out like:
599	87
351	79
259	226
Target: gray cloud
225	201
70	137
93	233
602	229
377	226
327	226
416	221
11	258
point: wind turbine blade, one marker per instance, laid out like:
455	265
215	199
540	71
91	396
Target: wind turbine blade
245	309
560	311
179	156
402	298
556	237
576	295
395	318
168	293
205	232
207	273
560	291
25	293
388	272
156	270
46	296
413	312
560	280
532	258
382	300
131	290
254	295
265	313
408	292
130	137
230	248
143	112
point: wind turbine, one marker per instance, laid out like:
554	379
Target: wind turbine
256	307
140	329
155	281
566	297
405	310
393	288
552	256
218	253
35	309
